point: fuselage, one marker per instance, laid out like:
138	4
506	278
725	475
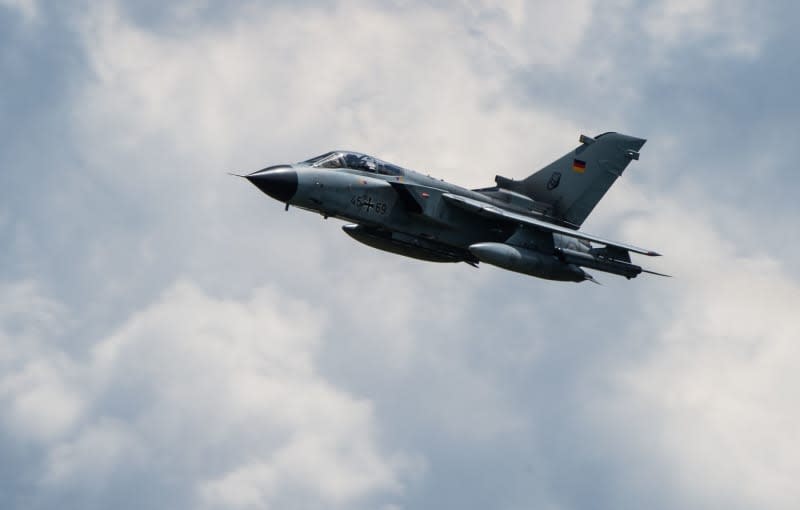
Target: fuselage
373	199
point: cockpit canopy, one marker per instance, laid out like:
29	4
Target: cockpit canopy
354	161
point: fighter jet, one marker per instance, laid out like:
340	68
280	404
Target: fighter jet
530	226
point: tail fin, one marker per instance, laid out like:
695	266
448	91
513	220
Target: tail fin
573	184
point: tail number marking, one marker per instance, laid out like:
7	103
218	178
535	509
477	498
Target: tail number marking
367	204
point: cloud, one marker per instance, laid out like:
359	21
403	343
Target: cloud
710	399
200	90
40	403
28	9
525	34
221	397
291	367
723	28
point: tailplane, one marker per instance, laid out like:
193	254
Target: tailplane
572	185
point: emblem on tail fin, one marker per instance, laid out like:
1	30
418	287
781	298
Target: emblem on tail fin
554	181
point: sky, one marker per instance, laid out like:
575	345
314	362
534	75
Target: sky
171	338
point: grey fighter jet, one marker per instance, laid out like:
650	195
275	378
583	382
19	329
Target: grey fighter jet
530	226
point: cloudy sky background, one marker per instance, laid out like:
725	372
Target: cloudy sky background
170	338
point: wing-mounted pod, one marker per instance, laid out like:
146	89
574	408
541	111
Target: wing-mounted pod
407	245
527	261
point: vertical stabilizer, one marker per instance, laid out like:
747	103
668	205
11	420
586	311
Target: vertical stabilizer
574	184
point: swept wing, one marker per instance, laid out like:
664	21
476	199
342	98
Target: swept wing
489	211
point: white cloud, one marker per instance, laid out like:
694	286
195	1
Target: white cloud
719	28
40	402
220	395
87	462
713	399
288	83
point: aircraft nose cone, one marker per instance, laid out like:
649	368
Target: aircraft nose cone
278	182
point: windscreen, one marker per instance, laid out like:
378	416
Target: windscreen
354	161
